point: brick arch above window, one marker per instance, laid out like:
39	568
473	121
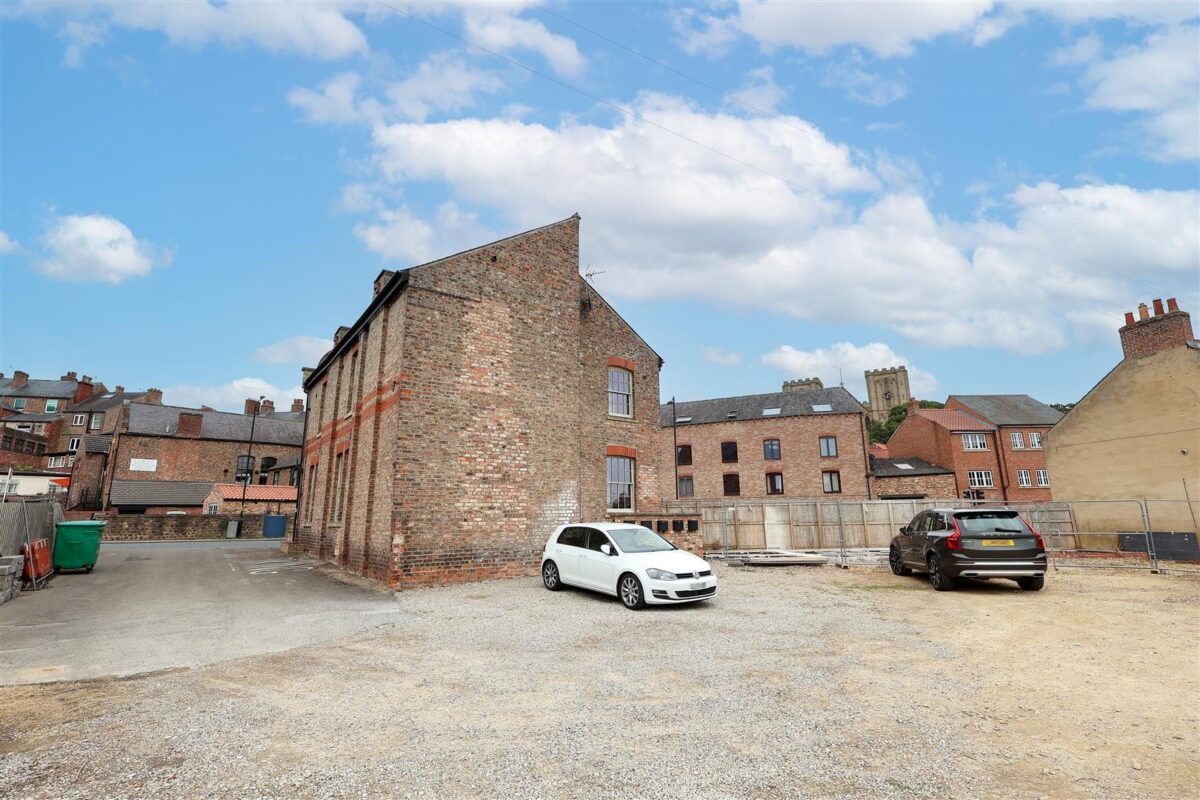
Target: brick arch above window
620	450
623	363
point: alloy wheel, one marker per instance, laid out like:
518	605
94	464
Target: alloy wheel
631	591
550	575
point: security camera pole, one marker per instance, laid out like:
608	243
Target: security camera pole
249	463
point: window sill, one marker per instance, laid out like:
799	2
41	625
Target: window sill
620	418
621	512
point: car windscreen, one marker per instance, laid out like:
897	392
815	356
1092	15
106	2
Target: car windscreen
991	522
639	540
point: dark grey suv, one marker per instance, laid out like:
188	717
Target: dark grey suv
952	543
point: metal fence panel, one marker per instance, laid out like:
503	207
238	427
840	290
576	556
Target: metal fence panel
42	516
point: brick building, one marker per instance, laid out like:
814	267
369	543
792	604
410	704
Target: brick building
230	498
992	443
1136	433
801	442
477	403
23	394
98	415
156	444
22	449
910	479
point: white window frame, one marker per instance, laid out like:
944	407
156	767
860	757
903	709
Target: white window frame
73	444
1035	440
51	409
79	420
56	461
1024	480
974	438
19	403
981	479
1043	478
97	421
1018	440
212	508
70	461
616	394
610	483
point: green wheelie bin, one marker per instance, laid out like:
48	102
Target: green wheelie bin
77	545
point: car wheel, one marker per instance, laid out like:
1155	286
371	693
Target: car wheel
629	588
550	577
1032	584
937	576
896	564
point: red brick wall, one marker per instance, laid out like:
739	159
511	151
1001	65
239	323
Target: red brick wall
919	437
800	462
157	526
477	421
18	443
932	486
87	478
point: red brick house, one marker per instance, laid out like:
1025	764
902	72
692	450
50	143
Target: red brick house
478	402
790	444
230	498
992	444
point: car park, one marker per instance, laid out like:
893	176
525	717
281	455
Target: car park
953	543
631	562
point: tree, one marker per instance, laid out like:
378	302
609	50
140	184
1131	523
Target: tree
882	431
1062	408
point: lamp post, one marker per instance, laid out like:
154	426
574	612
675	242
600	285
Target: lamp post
249	463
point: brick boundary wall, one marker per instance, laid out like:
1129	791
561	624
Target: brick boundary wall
178	527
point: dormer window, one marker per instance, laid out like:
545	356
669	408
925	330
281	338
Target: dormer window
684	419
731	415
772	412
822	408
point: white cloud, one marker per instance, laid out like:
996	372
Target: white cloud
230	396
884	28
760	92
861	85
847	361
303	350
497	27
1084	50
400	236
8	245
442	83
890	29
1160	79
81	36
96	248
722	357
665	219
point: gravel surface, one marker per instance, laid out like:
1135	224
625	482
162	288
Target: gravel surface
792	682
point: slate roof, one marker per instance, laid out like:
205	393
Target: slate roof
790	404
889	468
97	443
36	387
105	401
159	493
30	417
1009	409
164	421
954	420
257	492
291	416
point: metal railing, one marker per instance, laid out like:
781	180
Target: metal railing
1155	535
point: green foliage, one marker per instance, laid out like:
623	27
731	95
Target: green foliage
1062	408
882	431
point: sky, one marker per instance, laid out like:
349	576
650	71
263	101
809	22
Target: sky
194	195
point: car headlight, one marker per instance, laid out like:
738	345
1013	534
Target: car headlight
660	575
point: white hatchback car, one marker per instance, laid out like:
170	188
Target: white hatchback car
629	561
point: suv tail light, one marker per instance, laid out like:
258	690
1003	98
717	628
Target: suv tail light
1040	543
954	540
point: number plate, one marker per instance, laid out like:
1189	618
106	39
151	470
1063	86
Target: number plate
697	585
997	542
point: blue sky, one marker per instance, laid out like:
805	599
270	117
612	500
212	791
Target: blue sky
194	196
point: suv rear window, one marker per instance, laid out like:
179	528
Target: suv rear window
990	521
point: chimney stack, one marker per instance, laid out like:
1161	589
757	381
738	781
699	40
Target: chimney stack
268	407
298	405
83	388
119	390
189	424
339	333
70	376
19	379
381	280
1151	334
152	397
914	405
250	408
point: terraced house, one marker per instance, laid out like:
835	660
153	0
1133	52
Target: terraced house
477	403
801	442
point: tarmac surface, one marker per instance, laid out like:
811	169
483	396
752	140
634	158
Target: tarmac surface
153	606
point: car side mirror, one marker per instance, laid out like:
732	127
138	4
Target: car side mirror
904	529
606	548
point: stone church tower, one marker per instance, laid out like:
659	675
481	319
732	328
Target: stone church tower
886	388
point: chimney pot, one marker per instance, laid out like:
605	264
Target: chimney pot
251	407
298	405
1143	311
1158	308
1151	335
1172	304
1128	317
268	407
